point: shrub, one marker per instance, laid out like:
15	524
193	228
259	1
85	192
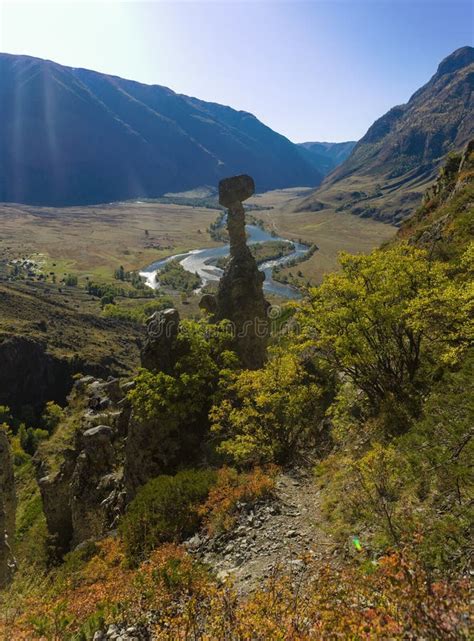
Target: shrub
70	280
418	484
387	322
165	509
267	415
176	405
30	438
232	489
52	416
138	313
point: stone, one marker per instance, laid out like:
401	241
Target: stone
240	298
235	190
95	461
55	495
160	351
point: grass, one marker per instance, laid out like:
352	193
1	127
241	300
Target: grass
331	231
92	242
66	319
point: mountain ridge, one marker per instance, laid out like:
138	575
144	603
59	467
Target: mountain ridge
326	156
394	162
76	136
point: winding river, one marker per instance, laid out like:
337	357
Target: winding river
203	263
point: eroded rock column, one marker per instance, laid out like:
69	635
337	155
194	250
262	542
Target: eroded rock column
240	296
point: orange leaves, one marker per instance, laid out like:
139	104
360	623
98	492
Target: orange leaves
397	600
231	489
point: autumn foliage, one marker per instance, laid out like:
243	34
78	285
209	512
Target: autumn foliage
391	599
231	490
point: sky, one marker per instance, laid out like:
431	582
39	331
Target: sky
311	70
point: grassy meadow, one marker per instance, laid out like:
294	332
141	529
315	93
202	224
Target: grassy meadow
331	231
92	242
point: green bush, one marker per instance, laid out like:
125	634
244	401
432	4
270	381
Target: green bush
165	509
52	415
138	313
174	276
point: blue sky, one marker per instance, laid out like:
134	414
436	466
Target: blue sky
314	70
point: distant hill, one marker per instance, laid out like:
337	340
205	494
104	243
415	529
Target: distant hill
390	167
72	136
326	156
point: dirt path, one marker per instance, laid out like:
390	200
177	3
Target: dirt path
275	534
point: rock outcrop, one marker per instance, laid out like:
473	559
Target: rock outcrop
160	349
92	482
240	298
85	497
56	496
7	511
147	450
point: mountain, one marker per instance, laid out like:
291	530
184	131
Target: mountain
72	136
326	156
390	167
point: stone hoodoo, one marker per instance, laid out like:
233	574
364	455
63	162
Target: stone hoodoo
148	450
240	295
7	511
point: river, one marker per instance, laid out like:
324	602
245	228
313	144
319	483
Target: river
202	262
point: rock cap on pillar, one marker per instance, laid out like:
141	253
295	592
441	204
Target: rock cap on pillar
235	189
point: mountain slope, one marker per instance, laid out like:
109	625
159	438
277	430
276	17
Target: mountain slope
391	166
326	156
73	136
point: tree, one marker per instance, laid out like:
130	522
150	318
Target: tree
120	273
52	416
386	322
266	415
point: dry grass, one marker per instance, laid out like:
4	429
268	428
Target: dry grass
331	231
93	241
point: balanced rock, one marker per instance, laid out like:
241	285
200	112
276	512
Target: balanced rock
240	297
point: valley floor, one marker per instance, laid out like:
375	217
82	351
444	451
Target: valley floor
93	242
